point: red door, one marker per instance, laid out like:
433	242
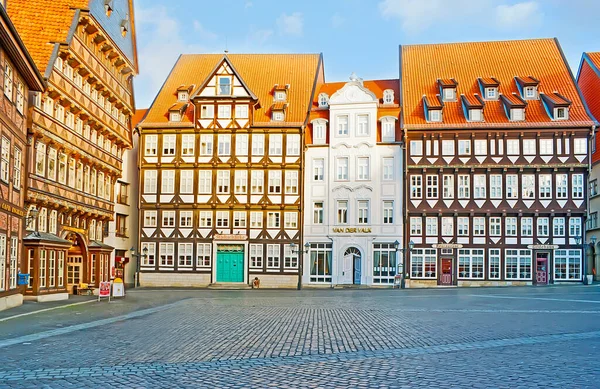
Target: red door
446	273
541	269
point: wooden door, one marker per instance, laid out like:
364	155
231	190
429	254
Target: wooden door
446	272
541	269
348	269
230	267
357	271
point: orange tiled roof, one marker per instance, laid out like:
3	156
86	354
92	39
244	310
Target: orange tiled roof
588	80
41	23
423	65
260	72
138	116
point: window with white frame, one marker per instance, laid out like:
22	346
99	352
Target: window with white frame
257	182
341	168
186	219
8	82
167	182
256	256
462	226
318	169
203	255
186	181
187	145
185	253
543	226
20	99
448	186
510	228
388	96
222	219
416	186
526	226
258	144
166	254
471	264
494	264
363	212
223	181
224	111
342	212
241	182
575	226
479	226
149	258
224	86
5	160
567	265
416	147
364	171
558	226
464	186
205	219
432	186
475	115
17	161
323	100
275	144
342	125
293	144
362	125
290	258
275	182
448	147
273	253
517	114
388	130
447	226
206	145
291	182
577	186
204	182
562	186
528	186
495	226
431	226
388	168
256	220
512	147
546	146
224	144
495	186
12	265
517	264
384	263
416	226
319	135
388	212
318	212
435	115
40	159
529	147
53	222
423	263
545	186
273	220
150	218
464	147
480	147
239	219
241	144
479	186
169	142
290	220
168	218
207	112
580	146
241	111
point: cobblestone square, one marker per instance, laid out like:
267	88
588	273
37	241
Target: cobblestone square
501	338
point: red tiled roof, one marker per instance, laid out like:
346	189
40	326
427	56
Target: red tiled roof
588	80
542	59
138	116
260	72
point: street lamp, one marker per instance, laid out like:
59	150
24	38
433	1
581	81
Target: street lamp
411	246
137	255
295	250
33	214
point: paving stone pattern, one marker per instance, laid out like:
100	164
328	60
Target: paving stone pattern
322	339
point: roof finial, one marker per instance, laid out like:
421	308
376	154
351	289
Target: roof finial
226	50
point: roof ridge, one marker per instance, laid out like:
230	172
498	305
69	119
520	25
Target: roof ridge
476	42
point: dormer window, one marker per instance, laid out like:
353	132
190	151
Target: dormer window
435	115
517	114
280	95
561	113
557	105
528	86
448	89
449	94
277	116
473	107
323	100
475	115
224	86
491	93
174	117
530	92
182	96
388	96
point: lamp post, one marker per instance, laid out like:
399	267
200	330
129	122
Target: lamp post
411	246
33	214
137	255
578	240
295	250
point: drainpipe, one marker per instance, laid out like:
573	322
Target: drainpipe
588	251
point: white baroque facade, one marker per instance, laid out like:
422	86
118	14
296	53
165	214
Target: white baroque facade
353	185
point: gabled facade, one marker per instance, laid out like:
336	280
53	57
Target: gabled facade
19	76
221	170
588	79
496	164
79	129
353	185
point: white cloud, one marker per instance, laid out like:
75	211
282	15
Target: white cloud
519	15
291	24
260	36
163	43
337	20
202	33
248	4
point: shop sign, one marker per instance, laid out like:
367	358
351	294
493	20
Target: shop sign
104	290
542	247
11	208
118	288
352	230
447	246
230	237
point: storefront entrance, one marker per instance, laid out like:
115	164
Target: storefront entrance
352	266
74	271
541	269
446	273
230	263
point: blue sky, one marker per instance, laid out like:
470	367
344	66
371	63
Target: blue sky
359	36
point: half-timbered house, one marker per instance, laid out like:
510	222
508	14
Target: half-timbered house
353	185
496	164
79	129
221	170
19	77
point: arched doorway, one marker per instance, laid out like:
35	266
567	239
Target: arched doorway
78	268
352	265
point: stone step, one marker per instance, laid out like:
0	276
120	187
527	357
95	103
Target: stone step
229	286
350	286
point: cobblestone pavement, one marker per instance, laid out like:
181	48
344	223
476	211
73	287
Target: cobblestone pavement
501	338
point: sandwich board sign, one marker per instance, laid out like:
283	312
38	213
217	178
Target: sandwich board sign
118	288
104	290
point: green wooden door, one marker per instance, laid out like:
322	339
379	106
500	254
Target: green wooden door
230	266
